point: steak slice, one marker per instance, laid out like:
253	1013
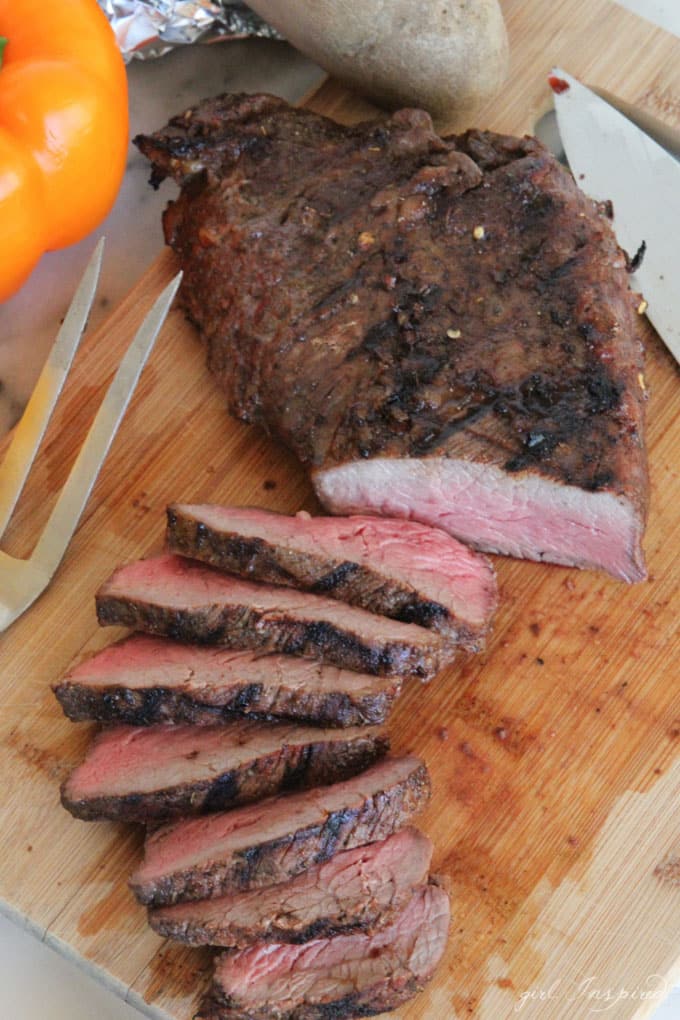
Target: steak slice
275	839
441	329
398	568
348	976
356	890
145	773
180	598
143	680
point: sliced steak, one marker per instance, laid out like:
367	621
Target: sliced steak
146	773
143	680
180	598
356	890
348	976
398	568
441	329
271	841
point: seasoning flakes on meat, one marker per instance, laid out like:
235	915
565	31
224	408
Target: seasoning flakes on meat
439	328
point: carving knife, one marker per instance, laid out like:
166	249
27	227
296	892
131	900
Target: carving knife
613	159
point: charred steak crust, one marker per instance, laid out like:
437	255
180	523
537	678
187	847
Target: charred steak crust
349	976
292	767
413	388
130	682
347	923
258	559
236	623
383	998
290	637
454	298
273	860
360	584
357	890
152	705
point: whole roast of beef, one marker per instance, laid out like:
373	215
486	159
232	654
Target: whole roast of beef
441	329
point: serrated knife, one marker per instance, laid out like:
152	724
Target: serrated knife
613	159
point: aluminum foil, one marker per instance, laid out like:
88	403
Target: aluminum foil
149	28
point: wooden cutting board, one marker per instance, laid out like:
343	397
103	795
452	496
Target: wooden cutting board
554	756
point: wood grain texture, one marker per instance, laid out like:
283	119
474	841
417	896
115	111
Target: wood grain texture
554	755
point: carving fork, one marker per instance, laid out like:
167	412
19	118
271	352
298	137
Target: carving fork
22	581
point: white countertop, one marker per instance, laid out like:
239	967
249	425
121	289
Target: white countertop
37	983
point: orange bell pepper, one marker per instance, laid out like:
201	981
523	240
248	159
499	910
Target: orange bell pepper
63	128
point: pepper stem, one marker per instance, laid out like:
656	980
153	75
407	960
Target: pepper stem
3	43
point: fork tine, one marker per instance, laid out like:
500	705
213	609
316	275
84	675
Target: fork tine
31	428
65	516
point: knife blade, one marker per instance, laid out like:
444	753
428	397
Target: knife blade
613	159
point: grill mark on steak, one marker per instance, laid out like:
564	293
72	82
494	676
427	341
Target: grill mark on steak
332	979
405	571
402	333
144	774
337	579
276	839
356	890
188	601
142	680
